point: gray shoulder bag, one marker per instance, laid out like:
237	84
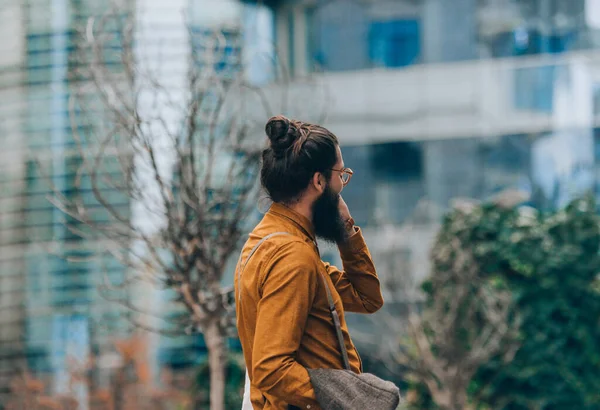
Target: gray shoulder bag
346	390
343	389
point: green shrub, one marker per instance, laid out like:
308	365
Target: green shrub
550	263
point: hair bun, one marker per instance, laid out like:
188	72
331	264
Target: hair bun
281	135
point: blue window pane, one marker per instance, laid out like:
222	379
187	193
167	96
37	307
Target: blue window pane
534	88
394	43
338	36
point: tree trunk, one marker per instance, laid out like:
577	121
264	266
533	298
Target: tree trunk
118	386
215	343
459	400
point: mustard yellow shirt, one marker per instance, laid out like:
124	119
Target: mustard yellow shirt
283	318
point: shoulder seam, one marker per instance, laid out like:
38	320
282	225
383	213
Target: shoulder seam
293	239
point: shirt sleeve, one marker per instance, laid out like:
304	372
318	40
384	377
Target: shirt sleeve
357	284
288	292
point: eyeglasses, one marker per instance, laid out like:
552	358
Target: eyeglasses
346	174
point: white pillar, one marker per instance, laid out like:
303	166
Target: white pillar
563	162
162	42
258	47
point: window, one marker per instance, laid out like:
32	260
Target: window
388	181
337	36
399	179
505	164
394	43
354	35
226	50
512	28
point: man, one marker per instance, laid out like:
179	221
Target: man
283	316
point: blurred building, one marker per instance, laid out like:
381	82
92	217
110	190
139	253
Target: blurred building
431	99
436	99
49	275
48	304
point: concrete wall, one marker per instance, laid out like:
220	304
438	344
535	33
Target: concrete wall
449	100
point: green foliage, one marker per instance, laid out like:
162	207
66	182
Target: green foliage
418	397
551	264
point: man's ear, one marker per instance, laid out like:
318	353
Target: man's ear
318	182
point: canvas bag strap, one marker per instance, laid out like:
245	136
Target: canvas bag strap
242	267
338	326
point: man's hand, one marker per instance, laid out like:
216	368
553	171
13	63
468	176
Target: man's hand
346	217
344	211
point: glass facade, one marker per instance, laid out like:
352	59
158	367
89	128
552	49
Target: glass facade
360	37
510	27
390	179
351	35
50	275
383	35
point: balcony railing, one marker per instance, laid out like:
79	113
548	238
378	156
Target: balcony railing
465	99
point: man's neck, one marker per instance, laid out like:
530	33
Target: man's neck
302	208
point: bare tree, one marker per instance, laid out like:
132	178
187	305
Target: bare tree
466	320
466	325
442	338
183	156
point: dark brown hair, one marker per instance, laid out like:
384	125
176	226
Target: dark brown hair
296	151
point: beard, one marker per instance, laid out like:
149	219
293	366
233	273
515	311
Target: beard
327	219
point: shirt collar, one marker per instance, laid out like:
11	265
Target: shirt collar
303	222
